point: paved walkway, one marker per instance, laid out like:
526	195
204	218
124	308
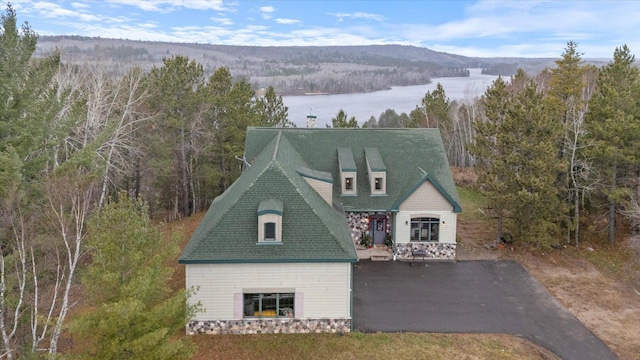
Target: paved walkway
468	297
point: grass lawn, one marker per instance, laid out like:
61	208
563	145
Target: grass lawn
367	346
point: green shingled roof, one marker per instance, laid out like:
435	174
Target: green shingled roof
270	206
313	174
345	160
312	229
410	157
374	159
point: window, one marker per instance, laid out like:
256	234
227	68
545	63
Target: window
270	222
348	183
425	229
272	305
270	231
378	183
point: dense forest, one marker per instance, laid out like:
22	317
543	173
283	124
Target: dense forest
89	156
289	69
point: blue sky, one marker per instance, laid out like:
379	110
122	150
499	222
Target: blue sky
471	28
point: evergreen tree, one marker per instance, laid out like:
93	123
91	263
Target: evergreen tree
613	128
340	121
27	95
272	111
174	96
566	99
532	136
390	119
517	162
134	314
490	152
231	108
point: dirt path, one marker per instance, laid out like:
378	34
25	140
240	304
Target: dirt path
608	307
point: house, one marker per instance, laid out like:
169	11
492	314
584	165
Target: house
275	252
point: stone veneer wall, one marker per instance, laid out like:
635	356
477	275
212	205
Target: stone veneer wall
434	250
269	326
358	222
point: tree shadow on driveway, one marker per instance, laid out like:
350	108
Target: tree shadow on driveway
468	297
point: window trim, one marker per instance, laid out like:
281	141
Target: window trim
289	311
430	221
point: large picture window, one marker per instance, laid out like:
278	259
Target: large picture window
425	229
273	305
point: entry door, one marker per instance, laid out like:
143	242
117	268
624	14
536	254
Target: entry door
378	229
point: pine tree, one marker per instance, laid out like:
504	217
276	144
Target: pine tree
613	127
517	162
567	100
27	94
133	313
532	135
272	111
231	108
174	95
340	121
490	152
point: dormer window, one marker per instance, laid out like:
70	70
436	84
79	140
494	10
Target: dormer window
348	171
377	171
270	221
348	183
269	231
378	183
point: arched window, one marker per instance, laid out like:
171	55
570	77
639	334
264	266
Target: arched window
425	229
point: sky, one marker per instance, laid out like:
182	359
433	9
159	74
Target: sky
471	28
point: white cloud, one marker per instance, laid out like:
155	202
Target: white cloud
78	5
223	21
287	21
359	15
172	5
266	11
52	10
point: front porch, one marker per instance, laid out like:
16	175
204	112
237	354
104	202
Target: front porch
374	253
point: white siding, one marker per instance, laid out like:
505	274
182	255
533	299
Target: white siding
426	197
426	201
325	286
325	189
447	225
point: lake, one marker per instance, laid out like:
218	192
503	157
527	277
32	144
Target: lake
399	98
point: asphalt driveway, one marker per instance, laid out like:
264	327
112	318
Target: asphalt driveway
468	297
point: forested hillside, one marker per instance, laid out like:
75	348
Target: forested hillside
290	70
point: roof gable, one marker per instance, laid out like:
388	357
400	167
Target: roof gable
409	156
229	231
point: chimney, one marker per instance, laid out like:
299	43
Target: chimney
311	120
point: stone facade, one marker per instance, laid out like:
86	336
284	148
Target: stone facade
435	251
358	223
269	326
